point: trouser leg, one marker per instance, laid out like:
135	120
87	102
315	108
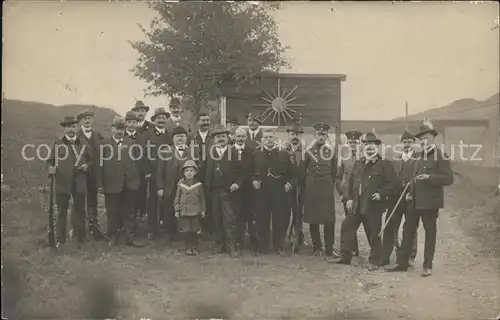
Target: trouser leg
391	233
329	235
409	231
263	219
372	223
315	237
62	200
280	216
429	221
152	209
348	234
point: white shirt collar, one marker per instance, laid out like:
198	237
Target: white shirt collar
140	124
174	118
70	139
203	135
131	132
237	146
89	129
181	148
118	140
221	150
160	130
253	132
406	155
429	148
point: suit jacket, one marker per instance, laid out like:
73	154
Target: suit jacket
169	172
229	168
183	123
279	165
255	143
145	127
429	194
368	178
297	158
148	164
118	169
67	158
94	143
202	150
245	159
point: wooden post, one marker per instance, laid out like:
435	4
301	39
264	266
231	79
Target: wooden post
406	115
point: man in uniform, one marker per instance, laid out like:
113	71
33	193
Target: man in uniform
223	178
403	166
141	110
152	142
432	173
131	125
70	161
244	197
320	166
93	138
273	177
254	133
168	174
372	180
118	178
296	196
344	172
176	119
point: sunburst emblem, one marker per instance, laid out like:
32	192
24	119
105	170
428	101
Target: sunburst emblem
279	105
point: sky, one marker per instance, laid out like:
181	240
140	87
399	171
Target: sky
428	54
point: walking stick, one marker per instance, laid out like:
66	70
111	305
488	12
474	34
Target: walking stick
403	193
52	208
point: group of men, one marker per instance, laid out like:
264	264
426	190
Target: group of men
251	182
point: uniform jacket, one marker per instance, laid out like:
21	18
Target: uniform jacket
228	167
297	158
145	127
378	177
344	172
121	170
67	157
148	165
277	166
429	194
169	172
255	143
189	200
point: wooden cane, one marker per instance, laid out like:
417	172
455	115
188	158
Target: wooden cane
403	193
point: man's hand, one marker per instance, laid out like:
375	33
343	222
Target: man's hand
160	192
256	185
52	170
148	176
234	187
408	197
100	190
349	204
423	176
288	187
376	196
83	167
342	198
203	214
177	214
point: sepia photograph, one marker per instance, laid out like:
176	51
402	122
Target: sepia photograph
250	160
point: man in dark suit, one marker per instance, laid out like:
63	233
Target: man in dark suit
232	124
93	139
244	197
223	177
372	180
70	161
273	177
153	142
141	110
168	174
403	166
131	123
254	139
118	178
176	119
432	173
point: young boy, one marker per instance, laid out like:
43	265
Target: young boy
189	205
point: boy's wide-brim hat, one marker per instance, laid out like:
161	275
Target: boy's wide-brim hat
425	128
256	119
140	105
407	136
84	113
179	130
218	129
119	122
160	111
353	135
131	116
189	164
321	127
295	128
68	120
370	137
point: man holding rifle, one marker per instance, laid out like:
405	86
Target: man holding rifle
431	173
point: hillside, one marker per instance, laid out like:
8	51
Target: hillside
36	123
463	109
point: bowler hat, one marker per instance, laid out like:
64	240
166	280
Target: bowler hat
370	137
426	127
232	120
353	135
160	111
68	120
118	122
140	105
256	119
175	102
179	130
321	127
130	115
218	129
84	113
407	136
295	128
189	164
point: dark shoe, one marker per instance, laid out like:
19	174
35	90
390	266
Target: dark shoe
114	241
398	268
318	252
426	272
385	263
234	254
280	252
195	252
355	253
188	252
97	234
218	250
373	267
132	243
152	236
340	261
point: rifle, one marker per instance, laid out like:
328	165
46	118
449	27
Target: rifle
52	208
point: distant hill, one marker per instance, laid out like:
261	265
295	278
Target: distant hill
463	109
36	123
